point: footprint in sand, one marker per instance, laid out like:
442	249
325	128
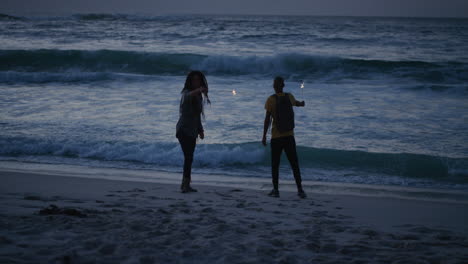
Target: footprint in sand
354	249
329	248
338	229
256	209
240	205
107	249
224	195
5	240
207	210
132	190
33	198
421	230
313	246
112	205
370	233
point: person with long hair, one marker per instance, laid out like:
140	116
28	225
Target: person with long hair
189	126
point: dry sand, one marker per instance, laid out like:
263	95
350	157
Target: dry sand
56	219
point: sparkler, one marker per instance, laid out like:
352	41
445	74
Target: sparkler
302	89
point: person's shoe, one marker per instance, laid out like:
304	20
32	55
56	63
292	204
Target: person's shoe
187	189
301	194
274	193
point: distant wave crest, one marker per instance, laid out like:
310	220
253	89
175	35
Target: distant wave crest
288	65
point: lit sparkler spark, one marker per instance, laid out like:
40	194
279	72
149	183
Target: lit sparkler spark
302	89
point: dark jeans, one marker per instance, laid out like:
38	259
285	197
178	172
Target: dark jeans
188	147
289	146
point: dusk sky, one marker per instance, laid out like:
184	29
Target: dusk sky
425	8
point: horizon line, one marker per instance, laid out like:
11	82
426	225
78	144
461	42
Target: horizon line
38	14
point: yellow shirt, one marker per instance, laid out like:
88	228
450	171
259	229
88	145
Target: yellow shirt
270	106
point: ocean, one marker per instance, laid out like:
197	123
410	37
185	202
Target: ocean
386	98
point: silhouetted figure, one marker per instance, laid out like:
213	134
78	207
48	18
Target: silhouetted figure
189	126
279	107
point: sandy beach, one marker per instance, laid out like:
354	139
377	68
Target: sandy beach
57	219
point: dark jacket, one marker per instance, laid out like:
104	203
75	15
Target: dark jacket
190	109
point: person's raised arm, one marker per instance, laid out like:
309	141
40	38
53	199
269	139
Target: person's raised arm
266	125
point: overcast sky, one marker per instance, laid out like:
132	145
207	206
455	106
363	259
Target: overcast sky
427	8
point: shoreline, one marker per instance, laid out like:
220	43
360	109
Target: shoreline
253	183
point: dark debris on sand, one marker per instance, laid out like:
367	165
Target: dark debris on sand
55	210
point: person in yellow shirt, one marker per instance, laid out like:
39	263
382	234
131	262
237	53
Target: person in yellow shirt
279	108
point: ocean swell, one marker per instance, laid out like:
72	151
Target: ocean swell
288	65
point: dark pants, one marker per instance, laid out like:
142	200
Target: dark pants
289	146
188	147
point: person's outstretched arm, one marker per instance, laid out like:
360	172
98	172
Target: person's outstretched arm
295	102
266	125
300	103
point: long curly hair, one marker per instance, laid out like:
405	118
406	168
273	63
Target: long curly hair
188	87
